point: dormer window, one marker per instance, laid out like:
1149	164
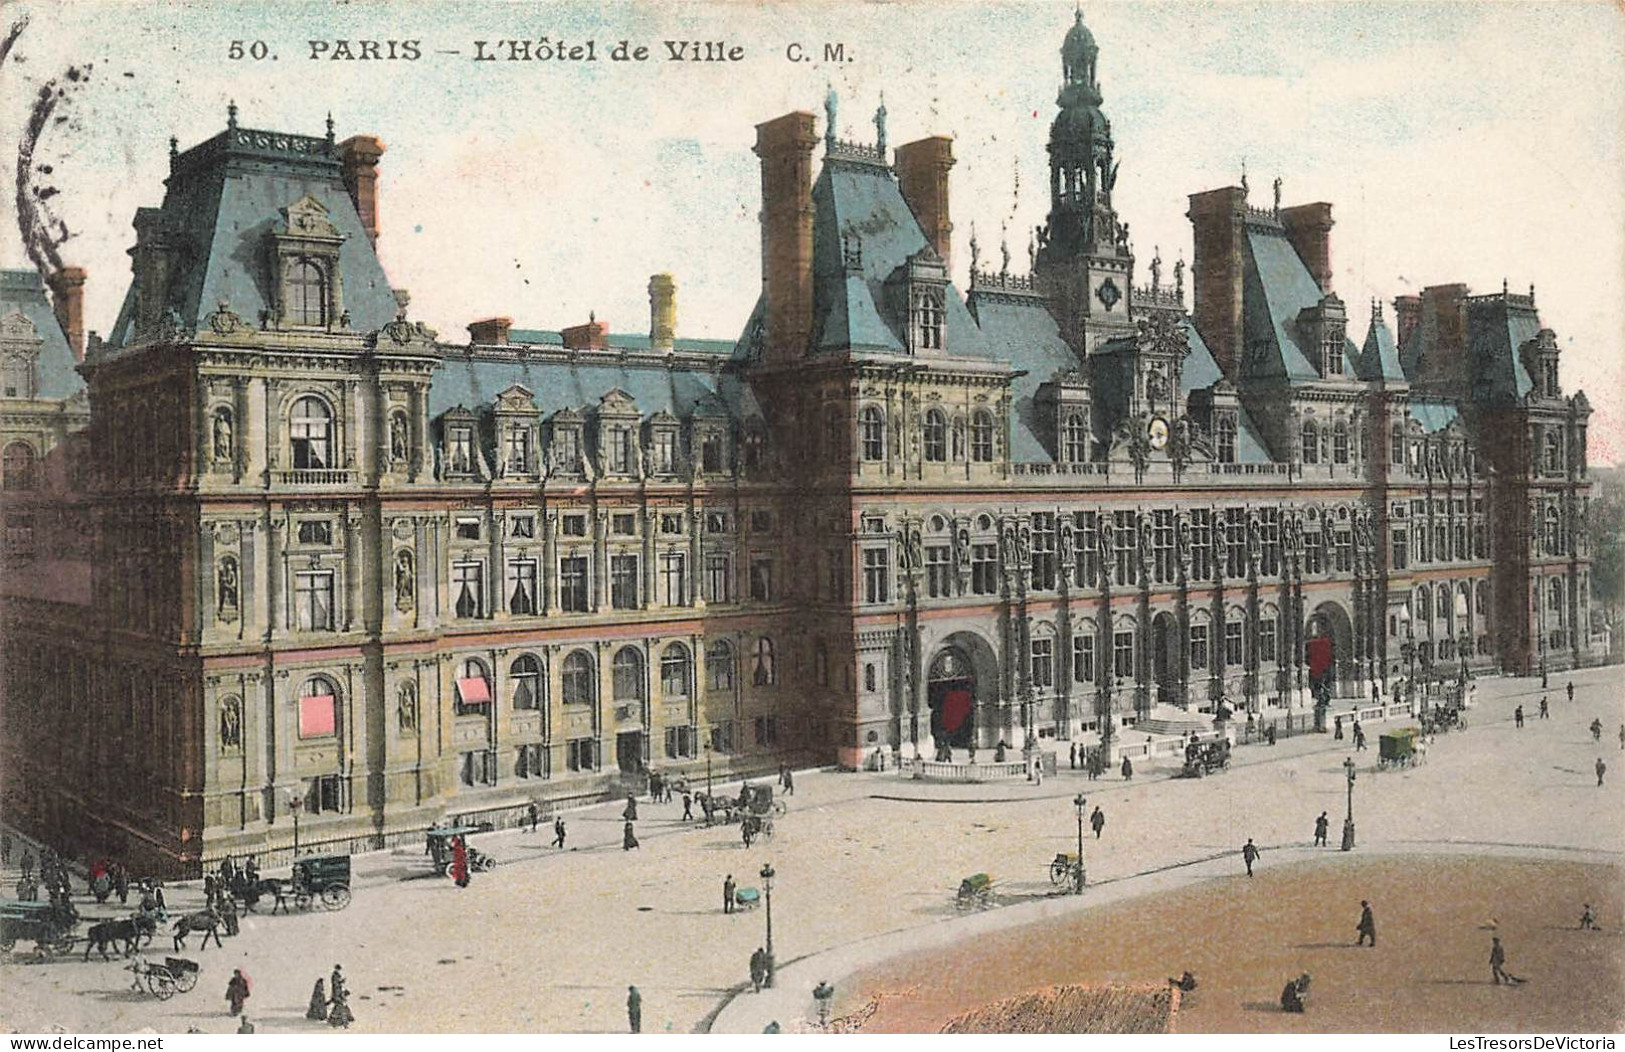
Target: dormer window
1332	355
305	255
981	437
518	450
567	448
619	452
711	452
1225	433
663	451
928	315
460	449
1311	442
307	294
1075	438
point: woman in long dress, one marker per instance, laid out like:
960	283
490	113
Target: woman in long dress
318	1002
339	1014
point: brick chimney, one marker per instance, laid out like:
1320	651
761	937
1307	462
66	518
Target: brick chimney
785	146
68	297
593	336
490	330
662	311
1407	314
1309	229
922	176
360	154
1217	218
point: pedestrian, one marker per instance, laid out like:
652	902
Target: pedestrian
1596	730
1359	736
318	1002
558	832
338	1013
688	806
459	862
728	887
208	887
1322	824
789	782
1269	733
1128	769
745	831
251	870
228	913
634	1010
1367	926
535	814
1588	920
28	864
629	839
1498	960
630	812
1249	855
1038	769
1337	729
1602	769
758	969
1097	821
1072	759
1571	690
237	991
1517	716
121	881
1622	735
5	849
654	787
1545	712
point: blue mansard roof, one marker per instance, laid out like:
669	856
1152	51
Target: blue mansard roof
23	291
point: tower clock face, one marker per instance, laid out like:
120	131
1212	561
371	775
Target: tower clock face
1157	432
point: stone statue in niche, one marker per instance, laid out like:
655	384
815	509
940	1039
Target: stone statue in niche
222	435
397	438
406	706
1156	390
405	582
226	589
231	724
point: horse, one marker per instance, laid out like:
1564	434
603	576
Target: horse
250	892
207	922
130	931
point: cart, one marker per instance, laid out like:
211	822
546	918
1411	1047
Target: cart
1398	747
747	898
1063	872
975	892
440	852
164	980
48	925
1204	758
324	877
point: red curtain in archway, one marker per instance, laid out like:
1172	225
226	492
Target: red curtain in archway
1319	653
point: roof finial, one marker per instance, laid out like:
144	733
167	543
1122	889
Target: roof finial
1531	291
1277	195
174	147
1032	252
1244	178
592	317
1503	286
1156	267
880	126
231	115
1004	248
829	118
1179	276
975	252
329	127
1376	309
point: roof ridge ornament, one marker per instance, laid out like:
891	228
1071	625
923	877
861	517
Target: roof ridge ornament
830	103
231	115
880	127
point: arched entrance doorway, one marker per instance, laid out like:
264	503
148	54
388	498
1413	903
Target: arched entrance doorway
1328	651
951	693
1165	659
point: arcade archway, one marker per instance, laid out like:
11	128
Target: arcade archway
1328	651
1165	658
962	675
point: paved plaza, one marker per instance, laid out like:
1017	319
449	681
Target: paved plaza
867	866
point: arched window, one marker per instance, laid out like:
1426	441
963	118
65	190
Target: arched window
627	672
1226	433
307	294
578	679
16	377
1424	607
19	467
526	673
928	319
1075	439
1554	451
1556	589
1482	600
719	665
676	671
1311	442
318	708
473	688
872	439
981	437
1340	443
766	672
936	436
310	428
869	678
1441	608
1554	532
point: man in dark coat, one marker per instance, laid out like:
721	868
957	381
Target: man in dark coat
1367	928
1545	711
1498	960
1128	769
1321	825
630	812
1602	769
629	839
758	969
1571	690
789	782
728	888
1097	821
688	806
558	832
1072	757
1517	716
534	813
634	1010
1249	855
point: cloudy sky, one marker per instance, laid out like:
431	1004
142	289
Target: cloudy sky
1469	142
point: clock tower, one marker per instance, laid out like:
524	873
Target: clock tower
1084	262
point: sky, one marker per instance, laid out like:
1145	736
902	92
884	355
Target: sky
1472	142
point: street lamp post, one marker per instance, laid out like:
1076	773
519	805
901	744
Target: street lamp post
1077	885
767	890
295	801
1348	823
708	770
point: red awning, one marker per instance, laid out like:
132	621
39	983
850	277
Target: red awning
473	690
316	716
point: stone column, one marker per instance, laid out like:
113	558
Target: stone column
651	522
600	560
548	575
696	529
354	568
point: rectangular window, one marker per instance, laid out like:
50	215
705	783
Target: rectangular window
938	572
623	525
618	441
313	601
521	587
522	526
674	577
1085	554
1123	655
722	736
767	730
711	453
573	526
717	522
460	450
468	589
479	768
1201	544
1269	532
326	794
1232	643
1043	552
1083	658
761	521
984	569
761	579
316	531
1043	664
1266	639
1198	646
671	525
581	754
518	450
1343	551
680	743
719	577
663	452
531	761
468	529
623	582
1235	542
1162	545
876	575
567	448
573	593
1125	538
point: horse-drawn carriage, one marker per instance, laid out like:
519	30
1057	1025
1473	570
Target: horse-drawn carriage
49	925
1063	872
1399	748
1439	719
163	980
1204	758
440	850
753	802
315	877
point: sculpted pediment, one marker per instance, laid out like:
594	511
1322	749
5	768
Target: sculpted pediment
16	326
